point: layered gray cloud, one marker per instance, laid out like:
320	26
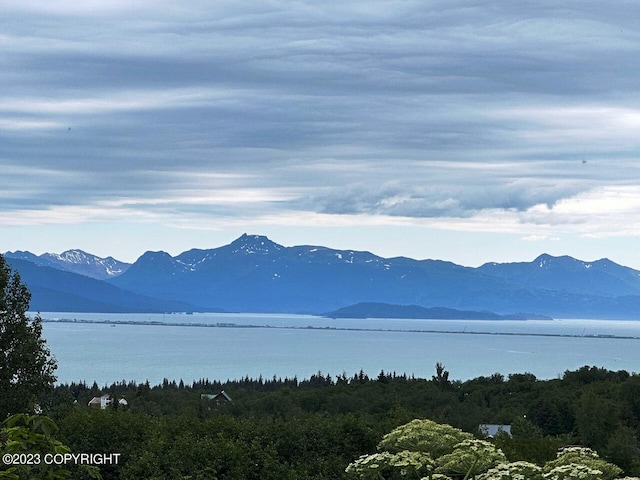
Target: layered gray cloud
399	109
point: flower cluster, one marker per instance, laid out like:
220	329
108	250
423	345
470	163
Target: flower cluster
470	458
573	471
413	464
582	457
423	448
370	466
513	471
406	464
423	436
578	450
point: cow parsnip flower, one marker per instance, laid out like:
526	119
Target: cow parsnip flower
513	471
471	458
423	436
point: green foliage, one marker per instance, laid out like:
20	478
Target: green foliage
528	444
105	431
26	369
29	440
290	429
523	428
622	449
441	378
596	419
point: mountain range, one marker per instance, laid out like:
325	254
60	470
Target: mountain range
255	274
75	261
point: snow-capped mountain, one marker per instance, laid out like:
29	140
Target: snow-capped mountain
255	274
76	261
568	274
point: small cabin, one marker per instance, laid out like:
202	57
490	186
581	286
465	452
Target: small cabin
100	402
105	400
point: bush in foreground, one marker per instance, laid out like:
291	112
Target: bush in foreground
422	449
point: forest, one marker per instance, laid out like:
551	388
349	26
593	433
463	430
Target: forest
318	428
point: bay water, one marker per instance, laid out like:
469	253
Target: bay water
113	347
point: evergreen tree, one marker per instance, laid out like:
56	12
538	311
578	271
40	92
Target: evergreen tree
26	367
441	378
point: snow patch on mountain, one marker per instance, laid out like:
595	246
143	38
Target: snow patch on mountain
76	261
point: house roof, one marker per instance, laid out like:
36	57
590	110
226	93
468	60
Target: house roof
491	430
219	396
225	395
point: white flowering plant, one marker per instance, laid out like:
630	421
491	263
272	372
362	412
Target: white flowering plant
386	465
425	450
574	457
513	471
470	458
423	436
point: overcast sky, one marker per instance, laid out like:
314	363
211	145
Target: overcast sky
469	131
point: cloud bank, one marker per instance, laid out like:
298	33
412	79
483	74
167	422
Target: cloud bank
455	114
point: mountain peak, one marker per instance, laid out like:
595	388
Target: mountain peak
251	244
543	260
75	255
151	256
79	261
159	263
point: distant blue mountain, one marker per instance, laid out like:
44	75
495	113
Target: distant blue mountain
566	274
254	274
75	261
54	290
386	310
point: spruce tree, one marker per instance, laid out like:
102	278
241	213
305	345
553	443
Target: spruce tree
26	366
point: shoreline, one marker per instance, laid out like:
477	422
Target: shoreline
348	329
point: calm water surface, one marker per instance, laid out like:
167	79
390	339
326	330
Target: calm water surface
114	351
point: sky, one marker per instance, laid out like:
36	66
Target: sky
468	131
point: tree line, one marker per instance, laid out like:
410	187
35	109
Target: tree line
315	427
